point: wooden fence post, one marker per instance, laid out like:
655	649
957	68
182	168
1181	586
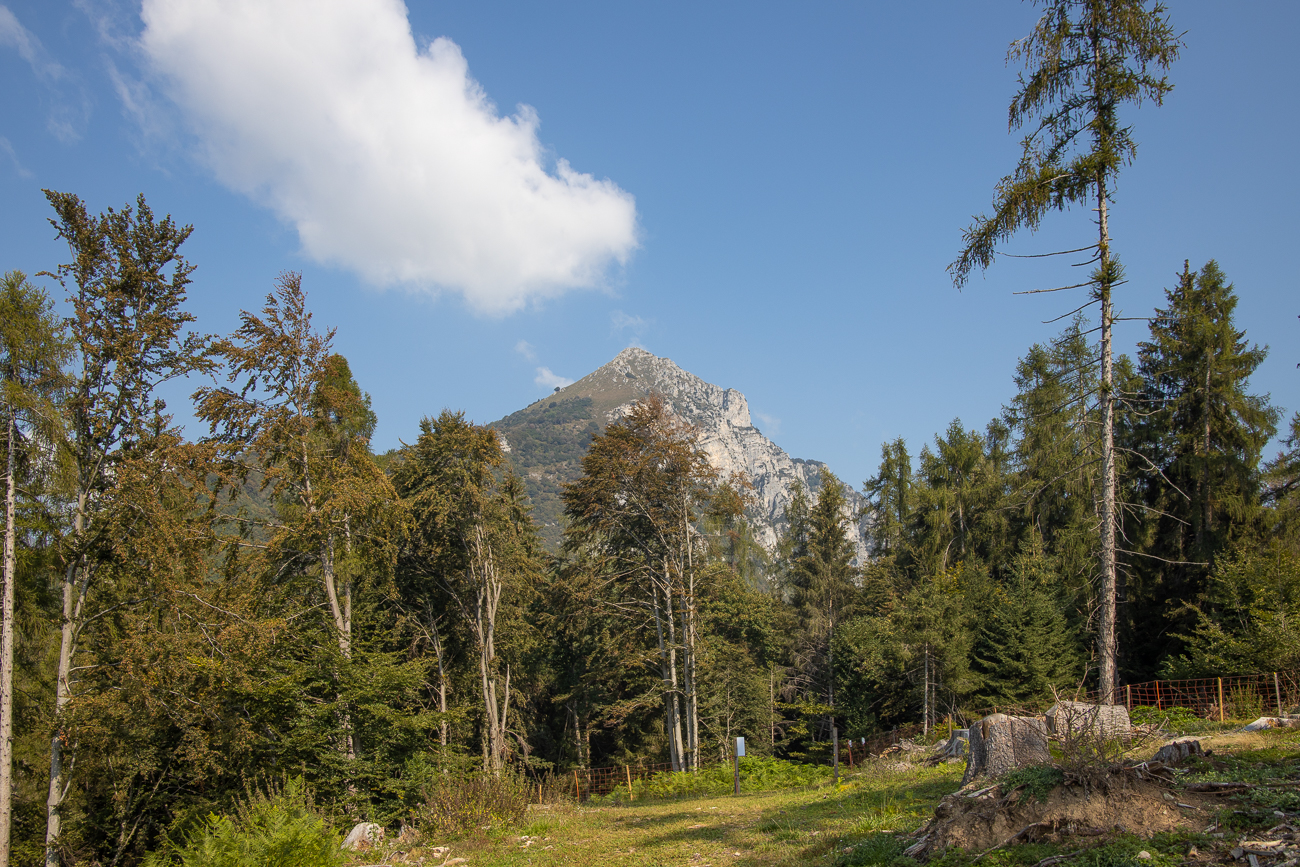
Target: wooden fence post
1277	692
630	796
1158	707
1220	699
577	790
1128	695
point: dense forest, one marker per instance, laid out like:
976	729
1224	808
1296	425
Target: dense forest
186	619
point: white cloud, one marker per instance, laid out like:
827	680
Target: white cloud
771	424
14	35
389	160
546	379
69	108
623	320
525	349
8	149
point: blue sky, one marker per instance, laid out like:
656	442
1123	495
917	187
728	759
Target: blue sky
766	193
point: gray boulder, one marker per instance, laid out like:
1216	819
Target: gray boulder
364	835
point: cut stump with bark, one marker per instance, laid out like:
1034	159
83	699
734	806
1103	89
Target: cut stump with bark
1074	718
1175	751
1001	743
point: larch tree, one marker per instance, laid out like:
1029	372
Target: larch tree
1084	60
295	419
644	486
130	334
33	351
473	538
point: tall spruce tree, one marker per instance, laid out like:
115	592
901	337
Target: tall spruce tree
890	495
961	483
1084	58
1282	480
1058	456
1204	488
821	582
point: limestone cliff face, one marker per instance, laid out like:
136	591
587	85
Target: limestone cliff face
727	433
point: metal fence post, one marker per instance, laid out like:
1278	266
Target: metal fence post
1220	699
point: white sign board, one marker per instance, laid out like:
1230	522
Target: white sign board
740	747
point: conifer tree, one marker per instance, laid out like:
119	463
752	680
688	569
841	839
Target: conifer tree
960	485
1057	455
1203	491
890	495
129	336
33	350
1023	644
471	536
296	422
644	486
1282	480
821	582
1084	58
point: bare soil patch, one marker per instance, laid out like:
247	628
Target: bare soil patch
1110	802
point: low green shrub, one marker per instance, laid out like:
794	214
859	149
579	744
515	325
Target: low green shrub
456	805
1178	718
1037	780
878	850
270	829
757	774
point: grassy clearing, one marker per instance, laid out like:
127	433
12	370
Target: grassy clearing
801	826
860	822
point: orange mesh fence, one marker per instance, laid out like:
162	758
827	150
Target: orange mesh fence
584	783
1223	698
1243	697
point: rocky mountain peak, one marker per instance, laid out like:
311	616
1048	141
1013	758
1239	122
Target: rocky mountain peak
727	436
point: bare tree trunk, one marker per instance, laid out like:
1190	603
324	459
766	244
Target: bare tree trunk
1107	639
1206	510
442	681
689	630
7	651
485	618
341	612
675	691
771	703
668	676
925	698
76	580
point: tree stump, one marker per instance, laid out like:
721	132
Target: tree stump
1175	751
1067	719
955	747
1001	743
